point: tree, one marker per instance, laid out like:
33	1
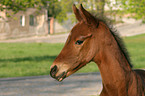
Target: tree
58	9
54	8
21	5
100	8
136	8
65	8
95	6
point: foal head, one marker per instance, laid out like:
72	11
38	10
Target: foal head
81	46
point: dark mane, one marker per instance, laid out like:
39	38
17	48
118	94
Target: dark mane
119	40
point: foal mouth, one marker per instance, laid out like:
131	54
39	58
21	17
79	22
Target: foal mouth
61	76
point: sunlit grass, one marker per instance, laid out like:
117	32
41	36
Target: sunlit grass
136	48
27	59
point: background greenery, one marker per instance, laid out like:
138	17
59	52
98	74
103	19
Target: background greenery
29	59
60	9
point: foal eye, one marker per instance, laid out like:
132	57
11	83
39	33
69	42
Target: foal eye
79	42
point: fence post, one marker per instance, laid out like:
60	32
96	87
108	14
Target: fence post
51	25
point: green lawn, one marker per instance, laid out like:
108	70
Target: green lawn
136	49
29	59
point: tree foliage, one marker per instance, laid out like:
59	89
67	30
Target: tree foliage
59	9
136	8
21	5
94	6
53	8
66	8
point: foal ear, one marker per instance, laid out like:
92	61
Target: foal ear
88	17
77	13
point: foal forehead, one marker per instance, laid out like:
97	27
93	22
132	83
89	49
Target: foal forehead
79	29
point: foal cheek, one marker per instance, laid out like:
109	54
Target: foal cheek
90	52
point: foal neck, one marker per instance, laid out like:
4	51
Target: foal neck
114	68
113	65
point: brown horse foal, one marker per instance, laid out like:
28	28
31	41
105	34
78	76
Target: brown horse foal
92	40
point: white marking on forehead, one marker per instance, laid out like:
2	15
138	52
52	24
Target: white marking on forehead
68	38
69	34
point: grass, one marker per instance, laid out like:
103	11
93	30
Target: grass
136	49
29	59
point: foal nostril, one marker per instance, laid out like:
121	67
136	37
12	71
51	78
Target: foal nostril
54	68
53	71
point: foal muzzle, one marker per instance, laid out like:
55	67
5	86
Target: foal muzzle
54	71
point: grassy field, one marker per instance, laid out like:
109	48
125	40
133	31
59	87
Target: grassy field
136	49
29	59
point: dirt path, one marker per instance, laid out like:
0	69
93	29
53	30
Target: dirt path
85	84
131	29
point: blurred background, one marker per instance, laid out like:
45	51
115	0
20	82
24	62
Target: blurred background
33	32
